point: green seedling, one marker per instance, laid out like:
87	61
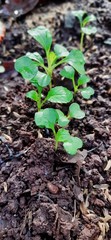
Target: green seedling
69	73
39	72
84	24
51	118
29	64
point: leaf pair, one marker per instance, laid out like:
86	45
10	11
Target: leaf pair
84	20
69	73
48	118
55	95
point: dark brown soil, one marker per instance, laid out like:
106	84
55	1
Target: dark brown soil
45	195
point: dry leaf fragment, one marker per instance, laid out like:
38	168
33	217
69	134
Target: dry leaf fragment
102	228
108	166
2	31
79	157
107	195
7	138
101	186
83	208
5	186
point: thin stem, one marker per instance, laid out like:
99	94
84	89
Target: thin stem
42	103
81	41
59	63
56	142
39	99
74	86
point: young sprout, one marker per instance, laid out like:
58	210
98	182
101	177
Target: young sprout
50	118
29	64
84	25
39	72
69	73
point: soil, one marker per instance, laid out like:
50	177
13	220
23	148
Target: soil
47	195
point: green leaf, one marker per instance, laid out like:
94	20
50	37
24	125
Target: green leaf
83	79
36	56
87	92
26	67
67	72
2	69
43	79
79	14
34	81
59	95
46	118
75	111
62	135
76	60
89	30
43	36
89	18
62	119
72	145
60	51
32	95
52	58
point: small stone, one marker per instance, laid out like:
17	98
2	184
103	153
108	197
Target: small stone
52	188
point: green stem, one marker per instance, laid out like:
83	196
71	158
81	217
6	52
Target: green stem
42	103
39	100
81	41
49	69
56	142
59	63
74	86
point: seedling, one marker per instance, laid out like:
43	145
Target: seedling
39	72
69	73
50	118
29	64
85	29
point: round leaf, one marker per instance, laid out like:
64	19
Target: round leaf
76	60
32	95
87	92
72	145
26	67
79	14
89	30
59	95
83	79
43	36
46	118
60	51
62	135
43	79
67	72
62	119
75	111
36	56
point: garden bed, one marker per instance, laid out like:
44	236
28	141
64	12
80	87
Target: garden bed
45	194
